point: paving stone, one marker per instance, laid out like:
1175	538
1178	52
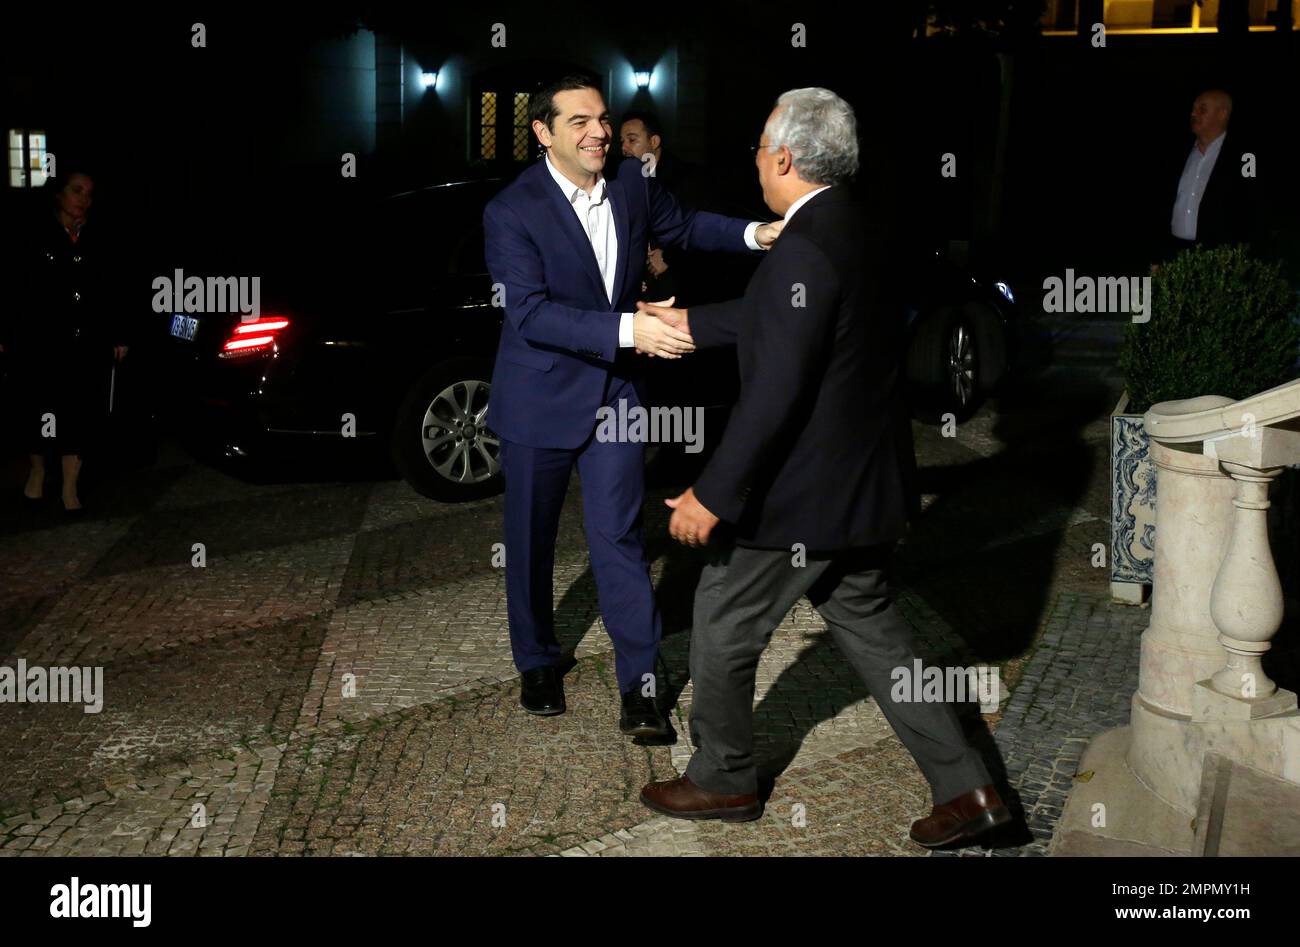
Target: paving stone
225	685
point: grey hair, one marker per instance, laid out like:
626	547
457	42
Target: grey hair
821	132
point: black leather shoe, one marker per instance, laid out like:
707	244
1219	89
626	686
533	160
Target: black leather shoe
641	718
541	692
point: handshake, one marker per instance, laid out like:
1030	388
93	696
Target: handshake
658	329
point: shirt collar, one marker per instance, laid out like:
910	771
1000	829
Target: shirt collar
1213	147
571	190
803	200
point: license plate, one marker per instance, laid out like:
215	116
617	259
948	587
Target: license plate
184	327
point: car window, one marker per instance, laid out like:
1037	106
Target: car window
421	239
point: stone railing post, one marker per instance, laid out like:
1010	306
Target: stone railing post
1246	601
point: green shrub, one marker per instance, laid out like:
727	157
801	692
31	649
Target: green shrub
1222	323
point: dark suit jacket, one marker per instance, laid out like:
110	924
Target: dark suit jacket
1226	213
675	177
559	341
818	447
65	295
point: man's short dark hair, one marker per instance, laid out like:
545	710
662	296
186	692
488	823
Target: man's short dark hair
648	119
541	104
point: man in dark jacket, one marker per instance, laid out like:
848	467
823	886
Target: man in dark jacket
1212	204
641	137
810	478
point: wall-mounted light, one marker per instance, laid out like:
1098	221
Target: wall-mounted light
642	78
429	80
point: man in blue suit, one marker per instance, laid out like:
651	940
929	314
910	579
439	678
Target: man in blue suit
566	243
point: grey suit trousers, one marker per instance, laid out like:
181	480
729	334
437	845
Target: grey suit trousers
742	596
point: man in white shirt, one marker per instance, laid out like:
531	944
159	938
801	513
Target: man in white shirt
1210	206
565	242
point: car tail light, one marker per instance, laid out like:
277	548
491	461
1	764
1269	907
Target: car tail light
256	337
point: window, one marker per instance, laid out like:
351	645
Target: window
488	125
1061	17
523	133
503	125
26	158
499	134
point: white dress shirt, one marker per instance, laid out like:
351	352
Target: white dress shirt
803	200
1191	188
597	221
596	218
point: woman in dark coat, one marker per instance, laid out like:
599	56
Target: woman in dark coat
62	337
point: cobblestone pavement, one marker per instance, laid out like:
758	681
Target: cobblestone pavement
336	678
1078	683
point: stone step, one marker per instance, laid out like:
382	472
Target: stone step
1245	812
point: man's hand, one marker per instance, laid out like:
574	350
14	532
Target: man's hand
691	523
652	336
655	261
119	352
766	234
677	318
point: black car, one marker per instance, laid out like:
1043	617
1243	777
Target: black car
383	333
378	330
962	335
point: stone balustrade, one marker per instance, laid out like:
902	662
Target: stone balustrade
1216	599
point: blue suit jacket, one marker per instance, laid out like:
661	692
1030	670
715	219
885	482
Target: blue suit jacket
559	341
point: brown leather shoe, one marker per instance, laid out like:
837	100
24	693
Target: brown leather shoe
962	820
682	799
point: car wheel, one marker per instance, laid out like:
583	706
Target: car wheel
441	445
944	365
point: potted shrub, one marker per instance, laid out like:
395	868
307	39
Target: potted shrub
1222	323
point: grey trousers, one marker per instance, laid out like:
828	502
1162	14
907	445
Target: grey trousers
742	596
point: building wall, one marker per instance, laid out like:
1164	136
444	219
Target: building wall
439	122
